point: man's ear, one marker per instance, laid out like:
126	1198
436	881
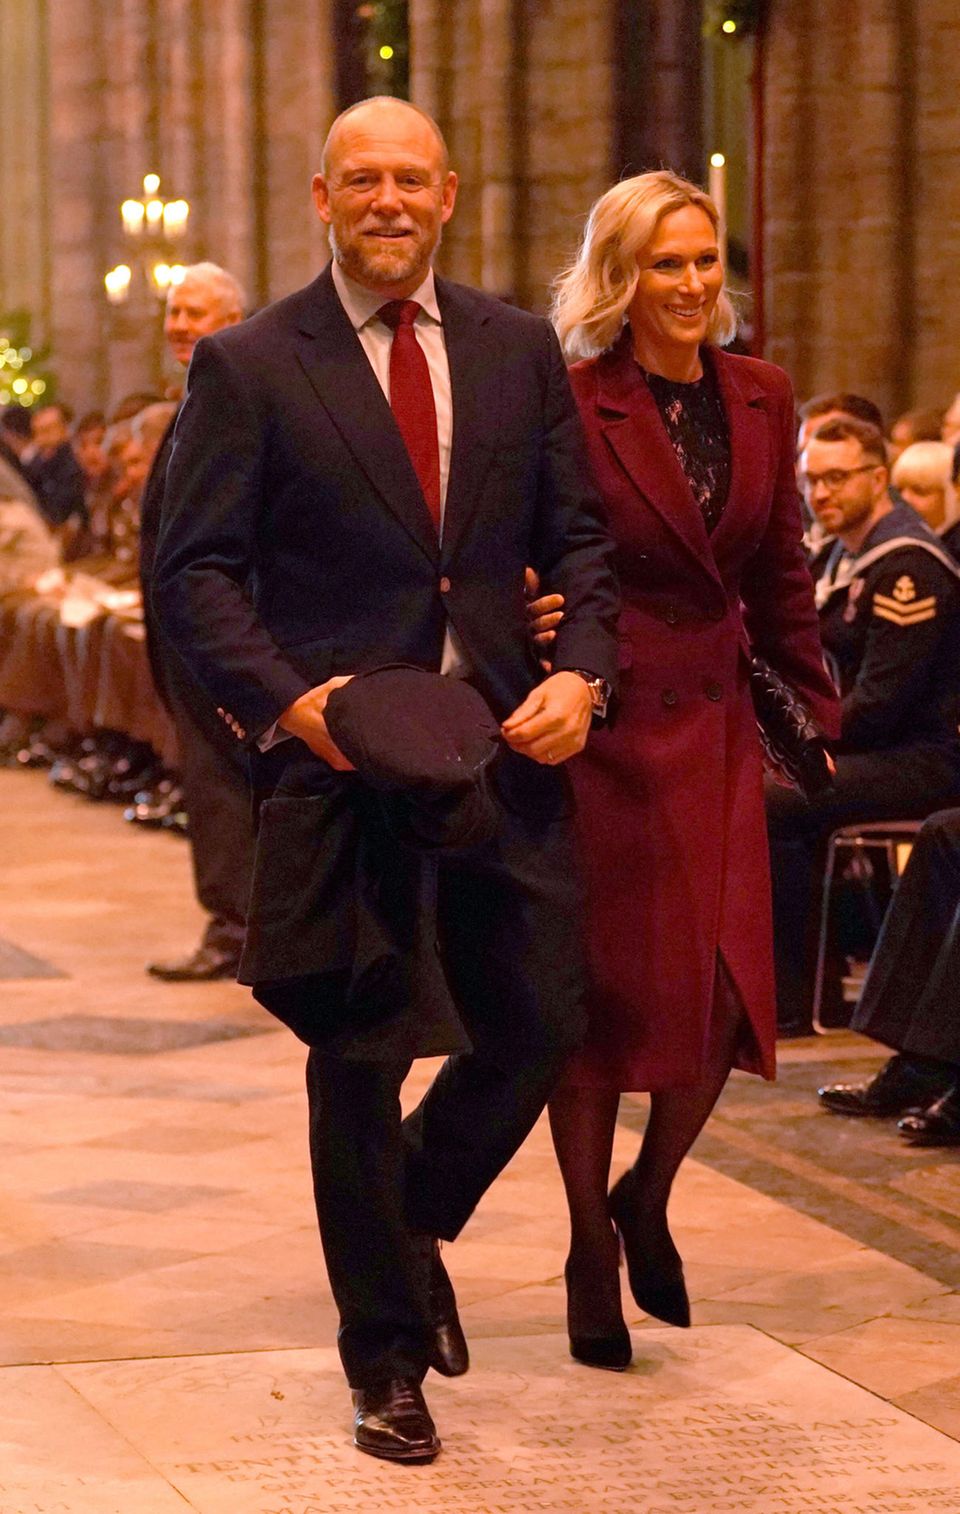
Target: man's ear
449	195
321	197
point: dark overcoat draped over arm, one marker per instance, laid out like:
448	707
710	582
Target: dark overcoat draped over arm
671	798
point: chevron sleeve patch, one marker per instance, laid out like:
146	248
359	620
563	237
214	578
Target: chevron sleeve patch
901	614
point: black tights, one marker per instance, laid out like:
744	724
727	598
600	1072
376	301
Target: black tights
583	1121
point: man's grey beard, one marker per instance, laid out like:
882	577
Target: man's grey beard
354	267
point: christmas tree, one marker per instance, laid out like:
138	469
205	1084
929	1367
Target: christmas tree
24	380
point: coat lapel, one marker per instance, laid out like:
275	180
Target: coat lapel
745	404
631	425
336	365
474	402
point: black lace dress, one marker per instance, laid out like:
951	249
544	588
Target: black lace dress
696	424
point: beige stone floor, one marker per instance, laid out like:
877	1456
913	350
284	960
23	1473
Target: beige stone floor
165	1325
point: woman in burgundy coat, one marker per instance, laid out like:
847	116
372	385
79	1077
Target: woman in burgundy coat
694	451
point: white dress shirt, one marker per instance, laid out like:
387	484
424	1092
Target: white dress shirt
376	339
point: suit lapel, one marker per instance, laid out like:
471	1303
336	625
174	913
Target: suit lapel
632	428
330	353
474	402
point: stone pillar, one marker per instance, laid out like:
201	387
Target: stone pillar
523	90
839	279
567	130
24	190
81	204
934	200
297	106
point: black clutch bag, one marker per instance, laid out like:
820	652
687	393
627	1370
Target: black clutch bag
794	747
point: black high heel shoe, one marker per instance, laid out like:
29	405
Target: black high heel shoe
658	1287
608	1348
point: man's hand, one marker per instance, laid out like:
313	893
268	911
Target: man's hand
304	718
553	722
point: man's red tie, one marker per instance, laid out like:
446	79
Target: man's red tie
411	399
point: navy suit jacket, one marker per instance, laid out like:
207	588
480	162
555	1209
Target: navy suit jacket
296	543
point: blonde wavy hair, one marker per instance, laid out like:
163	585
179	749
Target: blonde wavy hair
592	296
929	465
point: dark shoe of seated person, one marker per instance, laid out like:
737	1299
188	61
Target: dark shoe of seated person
901	1084
204	965
393	1422
937	1126
449	1356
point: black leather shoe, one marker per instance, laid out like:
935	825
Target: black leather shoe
204	965
449	1356
594	1340
900	1085
654	1268
393	1422
937	1126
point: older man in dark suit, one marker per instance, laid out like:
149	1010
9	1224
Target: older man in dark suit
215	787
359	476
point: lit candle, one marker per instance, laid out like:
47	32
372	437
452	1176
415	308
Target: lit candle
132	213
117	283
718	194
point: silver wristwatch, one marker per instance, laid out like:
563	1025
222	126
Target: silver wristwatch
599	691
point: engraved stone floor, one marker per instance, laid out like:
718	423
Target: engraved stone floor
165	1326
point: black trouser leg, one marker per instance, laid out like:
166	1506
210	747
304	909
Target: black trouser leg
911	994
510	925
357	1156
904	784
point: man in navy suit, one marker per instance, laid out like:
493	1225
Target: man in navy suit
360	474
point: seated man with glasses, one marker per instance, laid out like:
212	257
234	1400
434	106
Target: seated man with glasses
889	601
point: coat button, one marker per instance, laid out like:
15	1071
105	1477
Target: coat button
713	690
669	697
671	616
444	585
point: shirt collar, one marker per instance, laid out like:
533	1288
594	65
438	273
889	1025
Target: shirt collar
362	304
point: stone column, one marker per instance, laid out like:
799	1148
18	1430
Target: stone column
839	281
568	132
24	191
81	204
297	106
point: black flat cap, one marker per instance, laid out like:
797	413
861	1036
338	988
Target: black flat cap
425	742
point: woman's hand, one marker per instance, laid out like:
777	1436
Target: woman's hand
543	614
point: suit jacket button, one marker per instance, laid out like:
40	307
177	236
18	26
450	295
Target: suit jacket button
669	697
713	690
444	585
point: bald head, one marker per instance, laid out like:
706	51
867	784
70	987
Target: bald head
385	193
386	111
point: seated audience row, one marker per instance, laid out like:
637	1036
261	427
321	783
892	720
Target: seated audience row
88	687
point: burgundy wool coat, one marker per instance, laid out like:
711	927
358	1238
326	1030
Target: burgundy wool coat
670	799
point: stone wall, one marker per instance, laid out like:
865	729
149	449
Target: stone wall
229	100
862	188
